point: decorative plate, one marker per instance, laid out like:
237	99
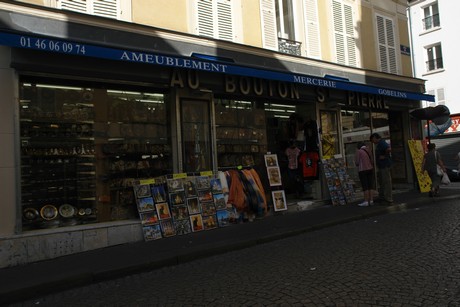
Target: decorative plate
30	214
48	212
67	210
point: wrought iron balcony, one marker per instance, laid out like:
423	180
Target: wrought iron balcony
434	64
431	22
289	46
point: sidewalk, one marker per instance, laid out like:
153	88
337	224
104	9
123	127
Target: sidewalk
40	278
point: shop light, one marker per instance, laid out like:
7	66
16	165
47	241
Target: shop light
60	87
152	101
123	92
280	105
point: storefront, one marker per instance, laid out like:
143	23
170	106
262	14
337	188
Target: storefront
91	119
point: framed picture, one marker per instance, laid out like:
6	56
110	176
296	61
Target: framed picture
219	201
210	222
190	187
216	186
163	211
149	218
182	227
179	212
205	196
274	175
271	160
167	227
175	185
152	232
145	204
193	206
177	199
197	222
208	208
142	190
159	193
279	200
223	218
203	183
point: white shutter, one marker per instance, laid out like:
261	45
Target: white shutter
105	8
344	34
74	5
338	32
350	34
387	45
312	28
205	18
224	20
269	32
215	19
440	96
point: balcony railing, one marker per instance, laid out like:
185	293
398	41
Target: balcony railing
434	64
289	46
431	22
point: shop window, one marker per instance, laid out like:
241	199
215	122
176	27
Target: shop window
329	134
196	136
83	147
241	136
356	126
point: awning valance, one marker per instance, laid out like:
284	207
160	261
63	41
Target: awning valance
50	44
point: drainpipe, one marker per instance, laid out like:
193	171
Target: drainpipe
409	14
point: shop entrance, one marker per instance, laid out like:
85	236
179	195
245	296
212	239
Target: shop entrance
196	135
359	125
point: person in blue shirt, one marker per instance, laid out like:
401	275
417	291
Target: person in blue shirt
383	162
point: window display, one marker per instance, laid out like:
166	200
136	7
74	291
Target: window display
81	149
240	132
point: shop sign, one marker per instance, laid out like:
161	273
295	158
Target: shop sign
368	101
81	49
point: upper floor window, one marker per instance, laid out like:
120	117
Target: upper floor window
386	44
431	14
285	27
216	19
291	26
103	8
344	33
285	19
434	56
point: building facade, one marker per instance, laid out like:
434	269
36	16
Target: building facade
99	95
434	50
435	60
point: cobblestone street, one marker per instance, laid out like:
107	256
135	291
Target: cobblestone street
409	258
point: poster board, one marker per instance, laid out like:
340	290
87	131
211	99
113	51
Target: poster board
417	153
275	181
339	183
180	205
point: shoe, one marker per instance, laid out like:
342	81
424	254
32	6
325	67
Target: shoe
363	204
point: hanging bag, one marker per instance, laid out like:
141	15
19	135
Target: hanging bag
439	170
445	179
